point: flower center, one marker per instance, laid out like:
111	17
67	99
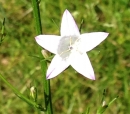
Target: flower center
70	47
67	45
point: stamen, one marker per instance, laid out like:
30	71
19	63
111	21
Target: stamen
64	52
70	41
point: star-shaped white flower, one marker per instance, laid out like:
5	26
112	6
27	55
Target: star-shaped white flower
70	48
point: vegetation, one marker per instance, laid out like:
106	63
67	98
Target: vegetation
71	92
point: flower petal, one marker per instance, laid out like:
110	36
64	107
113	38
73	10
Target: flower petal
56	67
91	40
68	25
49	42
82	64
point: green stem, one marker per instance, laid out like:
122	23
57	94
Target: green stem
37	18
46	83
47	91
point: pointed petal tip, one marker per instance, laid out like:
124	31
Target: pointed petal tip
37	37
106	34
47	77
93	78
66	10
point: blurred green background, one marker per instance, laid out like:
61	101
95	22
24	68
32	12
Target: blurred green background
71	92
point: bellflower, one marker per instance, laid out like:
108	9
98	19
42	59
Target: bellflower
70	48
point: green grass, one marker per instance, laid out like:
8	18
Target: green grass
71	92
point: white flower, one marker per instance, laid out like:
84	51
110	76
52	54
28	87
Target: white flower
70	48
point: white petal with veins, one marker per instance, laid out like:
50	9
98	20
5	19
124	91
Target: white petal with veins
82	64
68	25
49	42
56	67
91	40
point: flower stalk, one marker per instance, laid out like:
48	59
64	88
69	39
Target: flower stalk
46	83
